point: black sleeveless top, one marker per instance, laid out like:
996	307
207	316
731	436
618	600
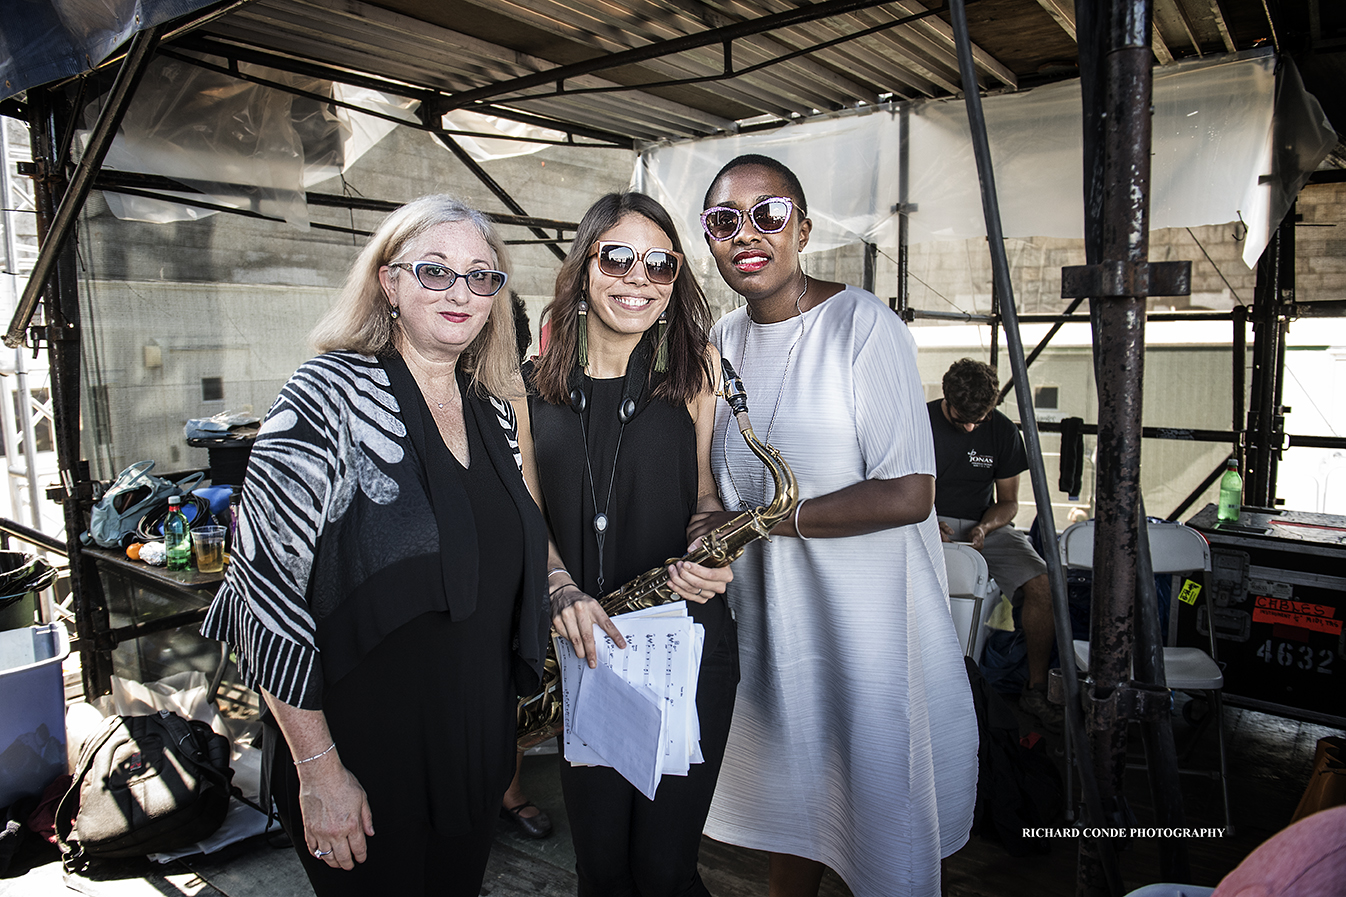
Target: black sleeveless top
648	502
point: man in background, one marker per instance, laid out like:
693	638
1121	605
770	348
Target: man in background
979	456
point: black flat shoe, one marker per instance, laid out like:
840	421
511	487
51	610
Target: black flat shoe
535	827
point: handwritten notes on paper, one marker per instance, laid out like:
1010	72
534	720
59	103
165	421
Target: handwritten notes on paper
608	715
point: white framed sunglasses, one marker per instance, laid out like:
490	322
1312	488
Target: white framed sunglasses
770	216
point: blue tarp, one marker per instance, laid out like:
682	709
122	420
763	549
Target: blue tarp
48	40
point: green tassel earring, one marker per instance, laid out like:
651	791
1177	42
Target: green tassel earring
661	353
582	334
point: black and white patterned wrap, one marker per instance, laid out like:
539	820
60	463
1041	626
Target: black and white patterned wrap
332	457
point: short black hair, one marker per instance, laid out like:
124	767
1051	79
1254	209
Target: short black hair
792	184
971	387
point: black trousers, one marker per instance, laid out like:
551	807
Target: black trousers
626	844
405	857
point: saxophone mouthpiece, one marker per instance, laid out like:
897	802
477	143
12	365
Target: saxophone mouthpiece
734	393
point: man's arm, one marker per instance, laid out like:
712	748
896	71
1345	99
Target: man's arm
999	514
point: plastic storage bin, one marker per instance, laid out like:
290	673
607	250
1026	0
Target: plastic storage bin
32	709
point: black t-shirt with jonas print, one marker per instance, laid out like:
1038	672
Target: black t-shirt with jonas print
968	464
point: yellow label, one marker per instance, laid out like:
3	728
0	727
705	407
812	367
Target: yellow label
1190	591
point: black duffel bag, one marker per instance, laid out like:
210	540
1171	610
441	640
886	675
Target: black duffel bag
144	784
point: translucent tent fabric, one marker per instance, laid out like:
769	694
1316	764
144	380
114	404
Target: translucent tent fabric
46	40
241	144
1215	160
255	147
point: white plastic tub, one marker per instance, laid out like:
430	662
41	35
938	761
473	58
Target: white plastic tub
32	709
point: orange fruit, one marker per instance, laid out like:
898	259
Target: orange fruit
133	550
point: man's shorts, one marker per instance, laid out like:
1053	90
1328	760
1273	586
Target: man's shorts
1010	558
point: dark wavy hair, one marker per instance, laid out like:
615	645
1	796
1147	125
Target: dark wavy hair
688	310
792	184
971	387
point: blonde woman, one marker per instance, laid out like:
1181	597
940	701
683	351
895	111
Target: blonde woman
387	590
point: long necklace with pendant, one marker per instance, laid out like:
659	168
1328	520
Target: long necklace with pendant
601	521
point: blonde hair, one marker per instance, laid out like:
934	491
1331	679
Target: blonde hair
360	322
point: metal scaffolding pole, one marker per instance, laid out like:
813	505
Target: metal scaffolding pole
1116	82
64	216
1092	788
63	338
1273	298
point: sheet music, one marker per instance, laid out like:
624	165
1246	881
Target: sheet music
633	746
663	654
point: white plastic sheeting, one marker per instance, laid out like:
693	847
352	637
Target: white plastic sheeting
243	145
250	146
1212	152
485	149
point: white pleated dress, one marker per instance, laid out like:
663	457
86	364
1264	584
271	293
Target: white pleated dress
854	740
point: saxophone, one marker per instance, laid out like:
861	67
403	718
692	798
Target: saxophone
539	715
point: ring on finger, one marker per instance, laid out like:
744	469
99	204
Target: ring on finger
321	853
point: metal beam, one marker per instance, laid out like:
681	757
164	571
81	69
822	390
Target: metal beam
161	189
235	54
715	36
495	188
123	89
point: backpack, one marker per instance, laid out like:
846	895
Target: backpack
131	495
144	784
1018	785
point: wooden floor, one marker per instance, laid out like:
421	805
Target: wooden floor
1269	761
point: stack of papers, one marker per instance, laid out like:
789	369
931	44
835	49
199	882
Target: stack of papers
636	711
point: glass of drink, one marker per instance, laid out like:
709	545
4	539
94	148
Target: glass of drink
208	546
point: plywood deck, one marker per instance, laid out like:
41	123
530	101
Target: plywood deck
1270	759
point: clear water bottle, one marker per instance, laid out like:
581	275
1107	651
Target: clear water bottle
1231	493
177	536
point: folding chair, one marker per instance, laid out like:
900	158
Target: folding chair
969	586
1174	548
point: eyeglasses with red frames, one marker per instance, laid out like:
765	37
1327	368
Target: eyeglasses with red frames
770	216
617	259
437	277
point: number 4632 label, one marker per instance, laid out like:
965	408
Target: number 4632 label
1300	657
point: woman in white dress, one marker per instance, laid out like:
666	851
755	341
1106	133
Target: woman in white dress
854	743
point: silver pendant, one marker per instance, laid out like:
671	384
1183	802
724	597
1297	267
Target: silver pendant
600	523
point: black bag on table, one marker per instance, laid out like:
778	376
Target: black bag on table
144	784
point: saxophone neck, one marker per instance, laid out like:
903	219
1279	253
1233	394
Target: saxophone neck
787	488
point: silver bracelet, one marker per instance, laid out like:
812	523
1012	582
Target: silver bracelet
555	570
317	756
797	532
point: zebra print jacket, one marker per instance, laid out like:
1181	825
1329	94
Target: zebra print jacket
336	492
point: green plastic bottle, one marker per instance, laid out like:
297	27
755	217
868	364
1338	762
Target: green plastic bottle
178	536
1231	493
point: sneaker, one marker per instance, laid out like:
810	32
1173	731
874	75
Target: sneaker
1034	701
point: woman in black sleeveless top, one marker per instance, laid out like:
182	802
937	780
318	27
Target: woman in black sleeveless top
622	410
